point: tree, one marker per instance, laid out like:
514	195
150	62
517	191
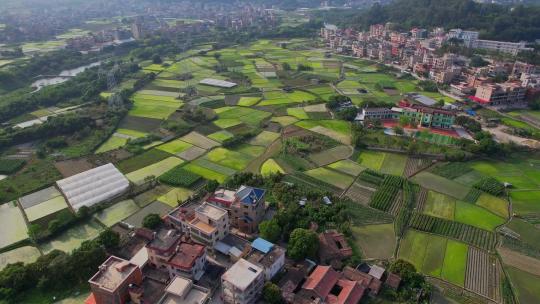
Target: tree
272	294
348	114
303	243
440	103
404	121
156	59
152	221
478	61
286	66
109	239
217	56
270	230
211	186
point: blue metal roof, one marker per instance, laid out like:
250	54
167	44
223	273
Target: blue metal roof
249	195
262	245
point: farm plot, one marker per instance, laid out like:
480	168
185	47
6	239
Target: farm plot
73	237
45	209
455	261
26	255
199	140
361	215
388	193
142	160
241	114
280	97
525	202
440	184
526	285
298	113
221	136
157	107
13	225
331	155
175	147
178	176
155	207
478	217
191	153
375	241
270	166
141	124
10	166
371	159
522	173
414	165
248	101
284	120
114	142
394	164
39	197
459	231
154	170
332	177
205	172
231	159
360	193
176	196
483	274
452	170
347	166
435	256
265	138
494	204
117	212
440	205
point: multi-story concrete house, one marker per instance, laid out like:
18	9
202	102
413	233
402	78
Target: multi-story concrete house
242	283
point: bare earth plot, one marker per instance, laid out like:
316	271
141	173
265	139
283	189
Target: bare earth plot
520	261
199	140
360	193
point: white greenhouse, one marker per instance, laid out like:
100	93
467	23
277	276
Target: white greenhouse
93	186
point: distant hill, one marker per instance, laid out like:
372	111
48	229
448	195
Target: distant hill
497	22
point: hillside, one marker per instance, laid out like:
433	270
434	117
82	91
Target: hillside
495	22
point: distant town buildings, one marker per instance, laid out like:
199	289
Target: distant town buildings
417	52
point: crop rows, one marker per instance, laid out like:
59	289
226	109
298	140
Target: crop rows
386	195
179	177
465	233
410	192
421	199
305	180
452	170
483	274
490	185
372	177
9	166
363	215
414	165
359	193
472	196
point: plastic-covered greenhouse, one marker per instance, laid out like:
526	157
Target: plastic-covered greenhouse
93	186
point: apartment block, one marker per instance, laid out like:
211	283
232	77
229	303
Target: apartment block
498	94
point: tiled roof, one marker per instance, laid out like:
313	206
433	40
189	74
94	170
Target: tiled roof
322	280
